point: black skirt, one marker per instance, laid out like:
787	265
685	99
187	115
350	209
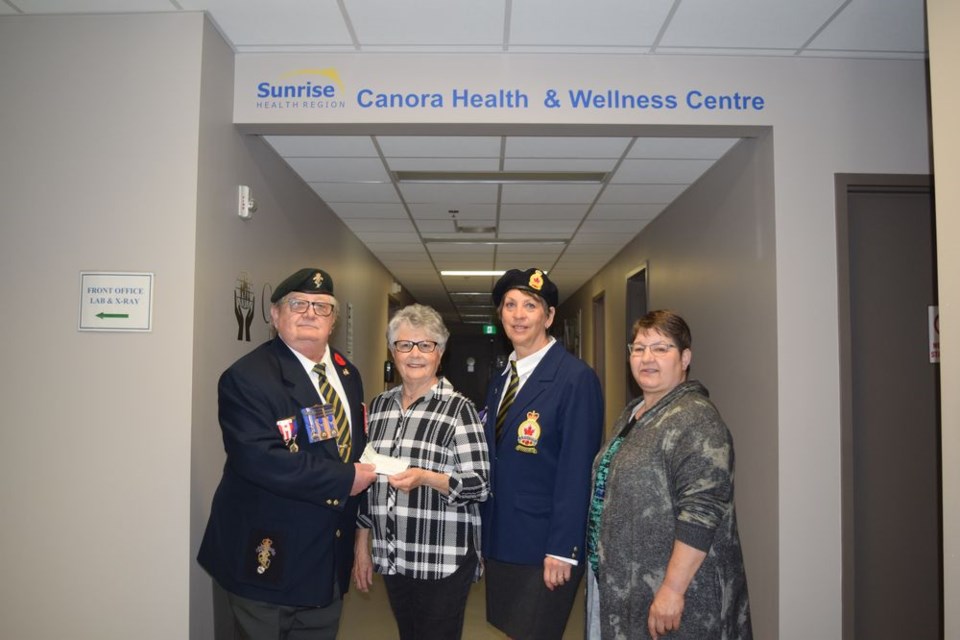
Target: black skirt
521	606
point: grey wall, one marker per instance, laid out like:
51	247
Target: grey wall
711	257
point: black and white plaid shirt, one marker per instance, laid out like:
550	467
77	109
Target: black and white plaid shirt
425	534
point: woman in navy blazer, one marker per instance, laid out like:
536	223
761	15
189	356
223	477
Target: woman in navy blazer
534	522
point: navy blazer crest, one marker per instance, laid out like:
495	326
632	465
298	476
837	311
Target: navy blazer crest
282	522
540	468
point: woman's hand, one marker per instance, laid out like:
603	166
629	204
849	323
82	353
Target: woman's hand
556	573
665	612
668	601
362	561
409	479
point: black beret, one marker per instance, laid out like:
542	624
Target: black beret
306	281
533	281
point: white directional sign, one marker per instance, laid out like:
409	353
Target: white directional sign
115	301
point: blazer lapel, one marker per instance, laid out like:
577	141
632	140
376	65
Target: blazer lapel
536	385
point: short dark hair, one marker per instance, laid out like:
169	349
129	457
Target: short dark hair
668	323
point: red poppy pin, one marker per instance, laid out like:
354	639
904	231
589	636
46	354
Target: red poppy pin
339	360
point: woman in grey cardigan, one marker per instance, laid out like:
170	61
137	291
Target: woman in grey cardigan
662	539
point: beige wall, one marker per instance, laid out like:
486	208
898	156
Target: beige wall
711	257
99	165
943	23
119	154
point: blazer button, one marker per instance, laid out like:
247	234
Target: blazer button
336	502
338	533
329	501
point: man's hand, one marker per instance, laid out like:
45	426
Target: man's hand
363	477
362	561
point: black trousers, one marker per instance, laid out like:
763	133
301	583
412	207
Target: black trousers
431	609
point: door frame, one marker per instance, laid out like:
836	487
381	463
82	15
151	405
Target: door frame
844	184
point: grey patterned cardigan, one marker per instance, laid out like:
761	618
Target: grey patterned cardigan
672	479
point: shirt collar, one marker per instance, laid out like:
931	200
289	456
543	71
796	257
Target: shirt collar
525	366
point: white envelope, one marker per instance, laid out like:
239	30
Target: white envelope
384	464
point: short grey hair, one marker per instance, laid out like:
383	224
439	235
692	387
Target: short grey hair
419	316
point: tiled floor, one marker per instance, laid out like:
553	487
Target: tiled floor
366	616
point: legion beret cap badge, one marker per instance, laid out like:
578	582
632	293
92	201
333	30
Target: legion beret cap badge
532	280
309	280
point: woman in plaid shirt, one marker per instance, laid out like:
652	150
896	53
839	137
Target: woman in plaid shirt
425	519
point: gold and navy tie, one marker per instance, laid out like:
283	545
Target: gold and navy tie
508	398
330	396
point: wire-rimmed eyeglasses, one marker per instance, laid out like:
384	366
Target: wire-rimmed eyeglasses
658	349
299	305
406	346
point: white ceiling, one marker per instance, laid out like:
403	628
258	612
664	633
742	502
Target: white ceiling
409	227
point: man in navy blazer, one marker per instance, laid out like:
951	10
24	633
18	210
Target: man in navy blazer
542	445
279	541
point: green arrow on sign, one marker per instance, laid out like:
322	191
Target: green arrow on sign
103	315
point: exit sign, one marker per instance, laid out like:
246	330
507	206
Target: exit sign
489	329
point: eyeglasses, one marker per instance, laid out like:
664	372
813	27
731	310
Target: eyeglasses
658	349
406	346
298	305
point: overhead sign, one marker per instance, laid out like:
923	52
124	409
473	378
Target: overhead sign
340	88
112	301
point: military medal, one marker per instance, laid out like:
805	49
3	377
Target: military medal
319	422
288	431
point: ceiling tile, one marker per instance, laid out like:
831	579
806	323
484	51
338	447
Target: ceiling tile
360	225
560	164
746	24
625	211
549	193
440	146
599	23
340	169
450	195
875	26
661	171
90	6
352	210
642	193
323	146
563	147
277	22
443	164
545	212
332	192
426	22
462	211
687	148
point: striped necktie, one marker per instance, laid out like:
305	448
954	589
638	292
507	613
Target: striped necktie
508	398
331	397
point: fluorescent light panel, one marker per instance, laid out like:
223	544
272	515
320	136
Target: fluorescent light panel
501	177
473	273
538	241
